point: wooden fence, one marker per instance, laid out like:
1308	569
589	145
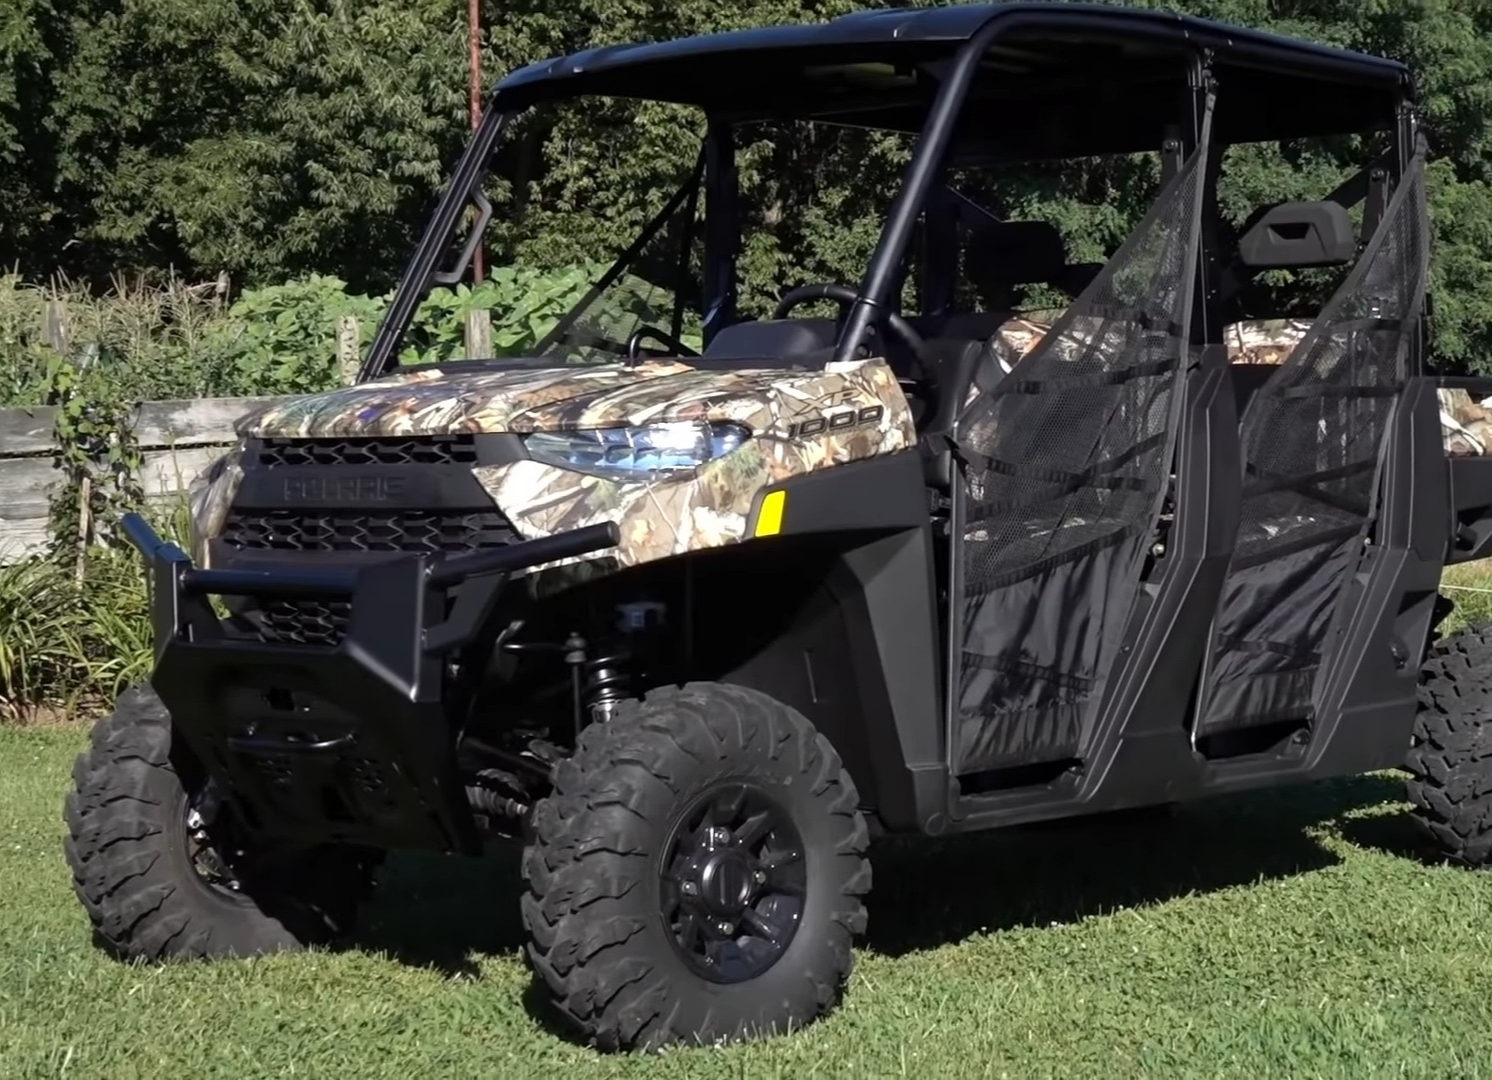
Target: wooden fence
176	439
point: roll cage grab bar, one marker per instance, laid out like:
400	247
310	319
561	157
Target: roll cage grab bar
716	168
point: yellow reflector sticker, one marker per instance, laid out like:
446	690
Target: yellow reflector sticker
769	518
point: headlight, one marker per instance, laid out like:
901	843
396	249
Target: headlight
630	451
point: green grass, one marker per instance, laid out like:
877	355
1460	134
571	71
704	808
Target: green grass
1470	586
1297	933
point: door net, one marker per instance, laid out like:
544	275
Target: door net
1067	460
1312	442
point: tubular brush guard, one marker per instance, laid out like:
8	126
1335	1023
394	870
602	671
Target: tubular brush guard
349	742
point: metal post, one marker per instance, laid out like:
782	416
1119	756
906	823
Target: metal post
474	23
1207	299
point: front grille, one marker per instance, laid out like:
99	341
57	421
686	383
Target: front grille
353	529
383	450
415	531
304	622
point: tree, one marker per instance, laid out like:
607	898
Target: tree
264	138
29	33
275	138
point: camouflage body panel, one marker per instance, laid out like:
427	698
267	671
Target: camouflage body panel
709	507
521	400
659	516
209	496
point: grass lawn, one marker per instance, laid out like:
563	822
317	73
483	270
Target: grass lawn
1288	934
1297	933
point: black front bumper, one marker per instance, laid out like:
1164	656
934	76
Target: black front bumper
350	742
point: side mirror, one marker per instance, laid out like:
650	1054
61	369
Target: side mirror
1297	235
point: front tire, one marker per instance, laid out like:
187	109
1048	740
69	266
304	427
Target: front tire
697	874
1450	756
153	873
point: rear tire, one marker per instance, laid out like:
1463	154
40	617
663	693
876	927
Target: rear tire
131	851
1450	756
650	925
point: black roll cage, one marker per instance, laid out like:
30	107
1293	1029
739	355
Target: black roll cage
920	180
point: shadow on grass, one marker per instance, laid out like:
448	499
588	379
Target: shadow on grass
927	895
1394	833
439	913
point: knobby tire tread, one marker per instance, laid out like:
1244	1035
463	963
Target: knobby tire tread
594	844
1450	755
129	880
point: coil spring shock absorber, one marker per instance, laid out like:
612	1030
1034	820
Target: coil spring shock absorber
598	682
601	682
606	684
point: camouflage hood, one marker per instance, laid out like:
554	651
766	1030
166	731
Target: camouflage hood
436	402
802	421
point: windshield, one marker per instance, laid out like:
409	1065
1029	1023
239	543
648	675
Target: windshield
646	299
568	248
593	250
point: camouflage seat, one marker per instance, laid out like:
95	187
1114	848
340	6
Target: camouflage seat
1465	424
1263	341
1019	334
1259	341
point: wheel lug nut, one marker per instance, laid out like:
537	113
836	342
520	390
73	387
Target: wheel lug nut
688	888
759	876
723	927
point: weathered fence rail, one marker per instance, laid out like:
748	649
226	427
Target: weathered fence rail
176	440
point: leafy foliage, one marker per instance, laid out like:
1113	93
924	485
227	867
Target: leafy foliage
70	644
137	343
96	456
277	141
264	138
525	304
282	339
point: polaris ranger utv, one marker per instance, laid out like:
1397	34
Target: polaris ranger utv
691	609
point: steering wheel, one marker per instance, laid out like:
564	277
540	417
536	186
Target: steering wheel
668	341
845	296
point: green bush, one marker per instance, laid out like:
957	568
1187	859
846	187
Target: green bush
141	342
282	339
525	304
71	641
66	645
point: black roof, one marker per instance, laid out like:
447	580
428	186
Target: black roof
1103	74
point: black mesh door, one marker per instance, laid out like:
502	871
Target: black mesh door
1312	442
1067	460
